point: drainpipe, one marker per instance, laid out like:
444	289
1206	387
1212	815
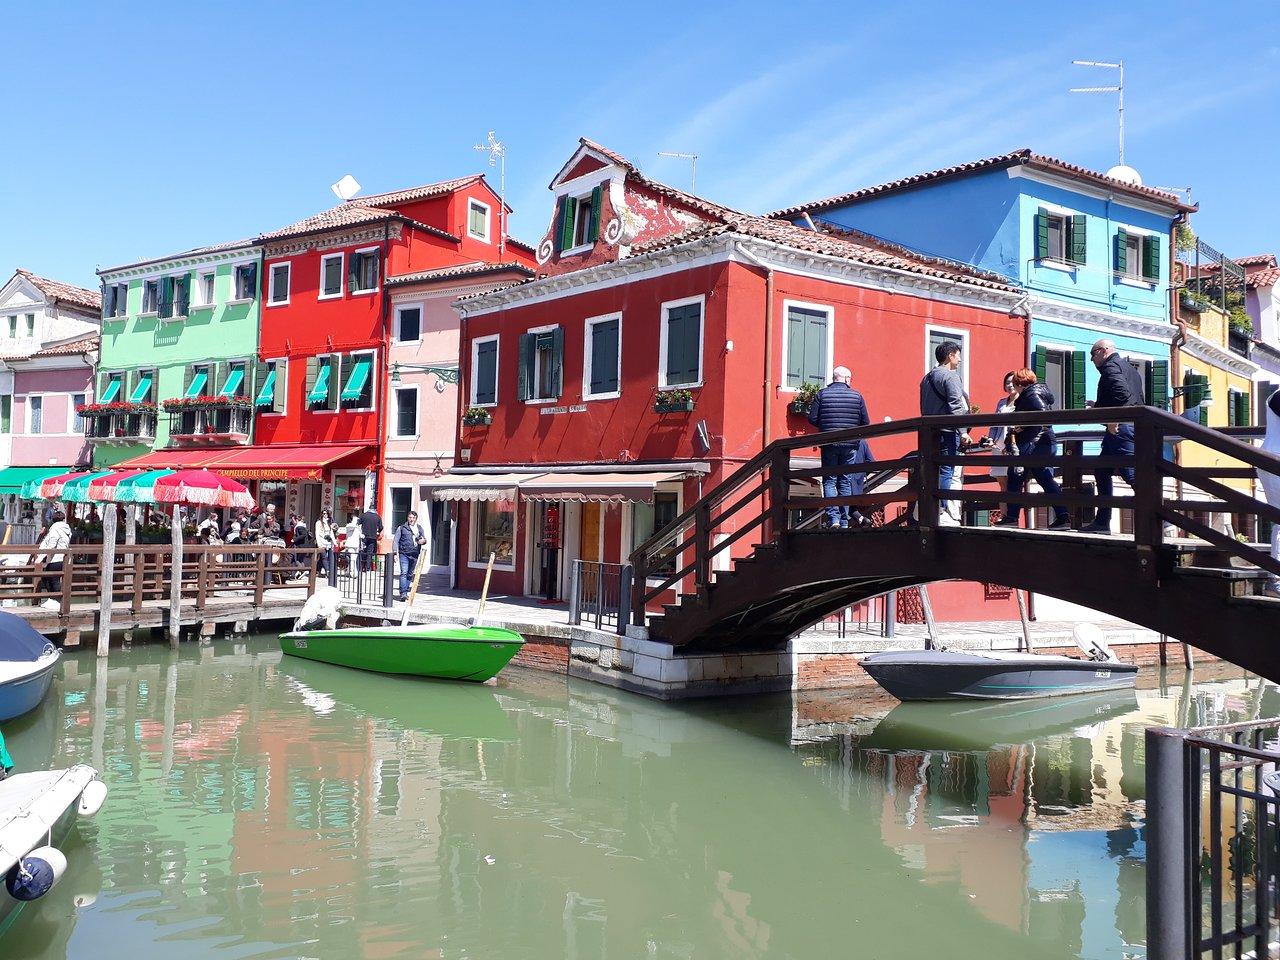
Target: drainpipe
1179	338
379	463
767	406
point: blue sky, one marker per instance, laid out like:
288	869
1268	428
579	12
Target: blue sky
139	129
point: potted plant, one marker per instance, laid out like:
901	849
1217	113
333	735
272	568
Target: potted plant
1240	323
1185	237
204	402
477	417
1193	301
804	399
673	401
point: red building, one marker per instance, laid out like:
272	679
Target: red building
651	294
326	329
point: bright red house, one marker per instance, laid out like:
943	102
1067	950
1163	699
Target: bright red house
646	290
327	326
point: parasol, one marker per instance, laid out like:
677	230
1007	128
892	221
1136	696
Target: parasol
202	488
105	489
138	488
51	488
77	490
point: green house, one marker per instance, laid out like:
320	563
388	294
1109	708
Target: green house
177	367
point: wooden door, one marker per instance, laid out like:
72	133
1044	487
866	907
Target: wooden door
589	537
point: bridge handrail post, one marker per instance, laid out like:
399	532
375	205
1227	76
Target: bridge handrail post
779	488
1148	493
927	477
702	547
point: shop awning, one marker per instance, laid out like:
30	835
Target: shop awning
475	486
359	377
112	391
171	460
142	390
267	395
232	385
197	385
286	462
12	478
595	487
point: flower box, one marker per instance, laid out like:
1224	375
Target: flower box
205	402
118	406
1193	304
798	407
673	401
477	418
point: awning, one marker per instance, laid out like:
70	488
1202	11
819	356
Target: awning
286	462
595	487
12	478
320	391
475	486
359	377
267	395
232	385
141	391
112	391
196	387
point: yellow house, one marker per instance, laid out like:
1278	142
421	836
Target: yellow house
1211	358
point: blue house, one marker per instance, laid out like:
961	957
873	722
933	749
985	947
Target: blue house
1093	253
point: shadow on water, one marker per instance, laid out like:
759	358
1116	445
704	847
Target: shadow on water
263	807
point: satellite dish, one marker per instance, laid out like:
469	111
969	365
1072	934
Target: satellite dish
1088	637
346	188
1125	174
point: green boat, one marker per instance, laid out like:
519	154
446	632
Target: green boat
447	651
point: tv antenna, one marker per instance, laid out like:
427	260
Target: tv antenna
1117	88
498	157
693	166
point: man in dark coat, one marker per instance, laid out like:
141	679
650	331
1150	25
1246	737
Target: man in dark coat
840	407
1119	385
370	531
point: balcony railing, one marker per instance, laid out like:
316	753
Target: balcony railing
121	426
210	424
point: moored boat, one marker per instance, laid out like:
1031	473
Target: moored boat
27	662
446	651
992	675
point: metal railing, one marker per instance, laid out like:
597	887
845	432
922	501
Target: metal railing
369	579
600	593
120	426
1212	841
200	422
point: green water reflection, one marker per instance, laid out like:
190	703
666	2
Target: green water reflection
263	807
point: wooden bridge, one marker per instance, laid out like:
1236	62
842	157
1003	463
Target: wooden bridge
1176	573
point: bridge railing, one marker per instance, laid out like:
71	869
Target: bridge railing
758	503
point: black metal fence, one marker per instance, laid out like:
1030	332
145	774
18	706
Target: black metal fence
600	594
370	579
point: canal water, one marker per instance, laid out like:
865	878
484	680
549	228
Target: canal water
268	808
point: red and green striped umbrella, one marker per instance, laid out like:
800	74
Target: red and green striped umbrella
202	488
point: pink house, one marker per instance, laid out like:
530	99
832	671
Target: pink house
423	404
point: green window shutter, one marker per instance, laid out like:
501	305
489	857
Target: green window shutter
353	272
795	349
557	223
108	301
604	357
1233	409
594	229
1040	363
1042	233
486	372
187	374
220	373
815	347
251	284
1122	251
1204	416
166	297
1078	358
182	296
1078	233
313	371
278	396
1151	257
557	361
568	208
1158	384
1245	408
683	326
525	369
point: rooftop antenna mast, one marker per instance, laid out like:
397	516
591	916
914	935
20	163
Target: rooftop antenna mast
498	157
1118	88
693	164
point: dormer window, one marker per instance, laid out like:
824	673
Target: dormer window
478	220
579	221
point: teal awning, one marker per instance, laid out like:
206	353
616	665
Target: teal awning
13	478
112	391
320	392
267	395
359	377
197	384
141	390
232	385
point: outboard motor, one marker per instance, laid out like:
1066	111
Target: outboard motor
35	874
1088	637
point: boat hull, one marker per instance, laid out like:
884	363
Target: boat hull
22	694
950	675
444	652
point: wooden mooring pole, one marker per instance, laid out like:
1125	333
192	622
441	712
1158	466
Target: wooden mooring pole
175	578
108	578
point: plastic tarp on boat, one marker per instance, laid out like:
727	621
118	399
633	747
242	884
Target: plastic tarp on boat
19	640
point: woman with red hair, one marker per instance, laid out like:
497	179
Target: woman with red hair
1035	440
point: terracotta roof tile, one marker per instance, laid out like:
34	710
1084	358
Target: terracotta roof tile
478	268
411	194
1024	157
82	345
56	290
1263	278
1257	260
344	215
706	207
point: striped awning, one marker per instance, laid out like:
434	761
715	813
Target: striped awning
595	487
474	486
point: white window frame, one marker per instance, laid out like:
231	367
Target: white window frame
664	312
586	357
155	384
271	282
212	275
336	369
282	364
400	308
155	307
830	311
28	409
377	280
394	427
533	387
29	321
959	336
235	273
497	370
412	508
342	276
373	382
488	220
473	537
72	416
576	199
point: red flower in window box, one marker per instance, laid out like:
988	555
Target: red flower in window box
205	402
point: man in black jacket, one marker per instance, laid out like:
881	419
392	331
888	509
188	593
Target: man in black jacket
839	407
1119	385
370	531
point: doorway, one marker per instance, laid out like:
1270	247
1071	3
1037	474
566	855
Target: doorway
310	503
589	532
545	531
